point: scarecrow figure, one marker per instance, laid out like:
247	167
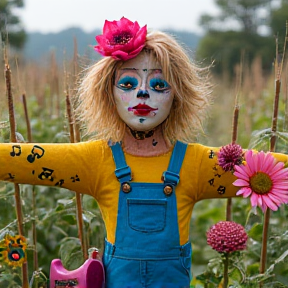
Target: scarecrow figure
143	103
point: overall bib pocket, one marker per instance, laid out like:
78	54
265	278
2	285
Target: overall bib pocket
147	215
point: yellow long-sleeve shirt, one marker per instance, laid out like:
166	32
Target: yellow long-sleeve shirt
88	168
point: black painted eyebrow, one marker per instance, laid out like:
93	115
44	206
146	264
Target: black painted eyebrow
134	69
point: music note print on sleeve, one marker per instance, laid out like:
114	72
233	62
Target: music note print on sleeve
16	150
76	178
11	176
221	190
60	183
36	153
46	174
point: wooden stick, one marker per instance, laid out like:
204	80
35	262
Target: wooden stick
34	231
263	258
235	128
13	138
78	195
28	125
278	73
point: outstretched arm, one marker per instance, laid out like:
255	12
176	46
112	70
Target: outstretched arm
214	182
73	166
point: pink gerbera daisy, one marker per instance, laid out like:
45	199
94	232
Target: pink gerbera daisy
263	179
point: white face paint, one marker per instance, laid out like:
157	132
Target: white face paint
143	97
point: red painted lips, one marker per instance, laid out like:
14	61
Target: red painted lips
142	109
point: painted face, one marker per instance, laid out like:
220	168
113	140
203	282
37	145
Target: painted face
142	95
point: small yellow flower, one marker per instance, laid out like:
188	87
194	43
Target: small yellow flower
12	250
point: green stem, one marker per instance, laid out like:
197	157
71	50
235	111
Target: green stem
225	273
264	244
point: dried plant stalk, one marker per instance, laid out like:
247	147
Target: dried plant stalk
70	118
235	128
78	195
13	138
279	62
10	104
28	125
234	139
34	231
263	257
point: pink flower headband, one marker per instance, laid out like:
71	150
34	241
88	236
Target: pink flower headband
122	40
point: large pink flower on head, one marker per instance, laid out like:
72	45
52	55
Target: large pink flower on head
121	39
262	179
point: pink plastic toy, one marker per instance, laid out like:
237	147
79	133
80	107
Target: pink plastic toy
89	275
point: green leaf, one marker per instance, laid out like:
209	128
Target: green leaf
208	277
253	269
256	232
71	219
236	275
74	260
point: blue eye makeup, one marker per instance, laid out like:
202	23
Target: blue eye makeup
127	83
159	85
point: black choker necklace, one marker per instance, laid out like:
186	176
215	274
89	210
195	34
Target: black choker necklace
141	135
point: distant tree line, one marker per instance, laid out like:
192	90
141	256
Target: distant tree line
243	27
11	28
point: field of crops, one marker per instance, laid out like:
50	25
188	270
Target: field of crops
49	218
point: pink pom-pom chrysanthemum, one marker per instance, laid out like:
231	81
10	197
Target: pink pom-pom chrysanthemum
227	237
229	156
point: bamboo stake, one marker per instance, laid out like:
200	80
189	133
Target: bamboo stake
278	73
34	231
77	128
28	126
235	128
78	195
234	139
75	80
13	138
267	213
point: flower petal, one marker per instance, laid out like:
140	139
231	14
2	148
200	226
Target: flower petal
268	163
254	199
140	37
281	186
270	203
259	161
119	55
279	196
242	169
249	162
245	192
240	182
260	202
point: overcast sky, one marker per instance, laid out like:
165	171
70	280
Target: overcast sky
55	15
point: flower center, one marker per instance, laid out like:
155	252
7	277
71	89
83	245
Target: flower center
261	183
121	39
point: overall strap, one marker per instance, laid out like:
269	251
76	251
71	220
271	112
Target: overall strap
122	171
171	176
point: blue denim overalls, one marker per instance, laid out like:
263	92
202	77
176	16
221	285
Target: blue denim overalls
147	252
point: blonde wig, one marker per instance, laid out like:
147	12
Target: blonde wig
189	83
